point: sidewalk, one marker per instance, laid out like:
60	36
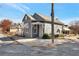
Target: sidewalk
41	42
38	42
33	42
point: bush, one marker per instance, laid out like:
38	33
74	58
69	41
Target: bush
56	36
46	36
61	35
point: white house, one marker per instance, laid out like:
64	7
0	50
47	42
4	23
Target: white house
38	24
66	29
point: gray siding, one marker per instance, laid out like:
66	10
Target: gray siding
27	33
43	27
57	29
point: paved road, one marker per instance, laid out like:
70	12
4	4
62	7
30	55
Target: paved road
69	48
66	49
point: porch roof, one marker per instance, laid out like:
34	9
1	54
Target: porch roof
66	29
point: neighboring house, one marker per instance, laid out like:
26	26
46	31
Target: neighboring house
38	24
66	29
16	28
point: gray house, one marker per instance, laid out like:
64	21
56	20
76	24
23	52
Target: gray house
38	24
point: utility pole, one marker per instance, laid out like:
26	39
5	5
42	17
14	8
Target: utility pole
52	21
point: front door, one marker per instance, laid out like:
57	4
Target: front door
35	31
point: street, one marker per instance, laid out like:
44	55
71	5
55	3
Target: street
66	49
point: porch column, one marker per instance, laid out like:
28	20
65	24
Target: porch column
31	30
40	30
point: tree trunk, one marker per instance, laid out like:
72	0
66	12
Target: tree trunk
52	18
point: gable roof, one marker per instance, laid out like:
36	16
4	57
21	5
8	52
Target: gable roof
48	18
29	16
42	18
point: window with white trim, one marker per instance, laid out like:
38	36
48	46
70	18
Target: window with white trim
26	27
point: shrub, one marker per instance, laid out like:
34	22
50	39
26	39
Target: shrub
61	36
46	36
56	36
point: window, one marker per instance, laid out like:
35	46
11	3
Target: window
58	30
26	27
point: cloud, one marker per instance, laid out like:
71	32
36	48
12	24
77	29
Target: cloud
69	20
24	6
19	7
27	9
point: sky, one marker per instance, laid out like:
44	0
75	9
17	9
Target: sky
16	11
66	12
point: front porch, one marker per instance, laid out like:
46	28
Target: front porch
33	30
37	30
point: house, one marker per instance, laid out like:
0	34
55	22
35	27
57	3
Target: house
66	29
16	28
38	24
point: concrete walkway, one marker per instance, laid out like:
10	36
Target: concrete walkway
37	42
33	41
41	42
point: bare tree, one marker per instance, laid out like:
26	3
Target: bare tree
74	26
